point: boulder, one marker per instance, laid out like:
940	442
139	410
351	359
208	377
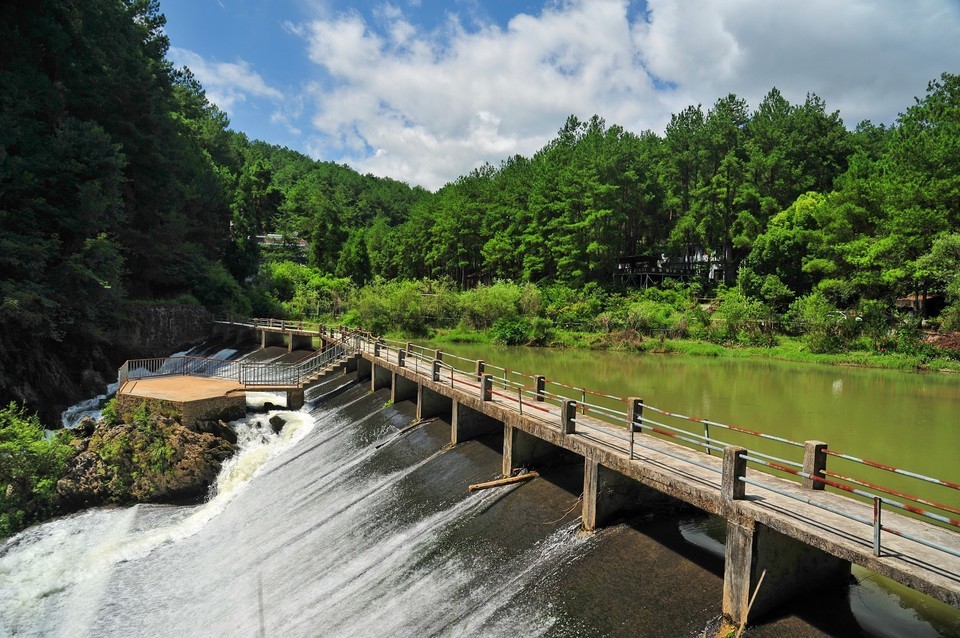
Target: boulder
276	423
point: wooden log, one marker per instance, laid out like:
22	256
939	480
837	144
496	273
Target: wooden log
503	481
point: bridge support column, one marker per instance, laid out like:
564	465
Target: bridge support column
430	403
350	364
380	378
402	388
269	338
295	399
364	368
467	424
790	567
607	492
300	342
521	449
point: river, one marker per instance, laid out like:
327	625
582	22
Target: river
338	527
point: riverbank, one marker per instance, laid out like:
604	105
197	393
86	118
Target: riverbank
783	348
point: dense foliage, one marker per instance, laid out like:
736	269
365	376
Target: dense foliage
30	464
119	181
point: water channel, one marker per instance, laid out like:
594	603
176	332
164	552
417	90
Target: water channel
338	527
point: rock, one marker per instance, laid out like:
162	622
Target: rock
277	422
227	432
85	427
160	461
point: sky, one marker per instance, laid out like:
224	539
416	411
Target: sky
425	91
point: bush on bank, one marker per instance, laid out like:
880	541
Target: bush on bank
757	312
30	465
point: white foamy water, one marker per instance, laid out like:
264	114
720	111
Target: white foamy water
53	575
305	536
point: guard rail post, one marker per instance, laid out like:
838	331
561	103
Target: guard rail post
401	358
480	367
636	419
436	369
814	464
568	426
540	382
734	468
486	387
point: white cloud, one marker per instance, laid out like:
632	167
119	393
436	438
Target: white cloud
426	106
226	83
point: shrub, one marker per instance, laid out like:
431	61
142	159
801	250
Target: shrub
30	465
485	305
513	331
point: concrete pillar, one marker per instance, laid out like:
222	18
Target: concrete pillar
376	350
521	449
436	368
480	368
364	368
352	363
467	424
380	378
295	399
301	342
430	403
731	487
635	410
402	358
814	464
402	388
438	356
269	338
607	492
790	569
486	387
540	384
567	426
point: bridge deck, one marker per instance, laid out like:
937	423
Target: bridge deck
695	477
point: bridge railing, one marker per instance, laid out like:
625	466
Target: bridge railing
638	426
250	373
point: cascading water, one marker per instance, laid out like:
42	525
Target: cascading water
339	527
309	533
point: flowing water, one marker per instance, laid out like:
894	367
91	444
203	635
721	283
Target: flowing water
340	527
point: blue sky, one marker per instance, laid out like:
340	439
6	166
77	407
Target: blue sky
425	91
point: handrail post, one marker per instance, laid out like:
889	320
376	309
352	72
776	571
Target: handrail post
480	367
376	350
540	383
436	369
877	525
402	358
636	419
486	387
438	356
734	468
814	464
568	417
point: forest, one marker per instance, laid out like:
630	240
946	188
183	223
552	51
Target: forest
121	183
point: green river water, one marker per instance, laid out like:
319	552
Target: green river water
908	420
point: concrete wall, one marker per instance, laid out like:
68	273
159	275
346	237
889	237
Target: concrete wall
189	412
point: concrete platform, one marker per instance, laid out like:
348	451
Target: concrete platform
181	388
192	399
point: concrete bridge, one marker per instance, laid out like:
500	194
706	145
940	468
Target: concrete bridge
295	335
786	534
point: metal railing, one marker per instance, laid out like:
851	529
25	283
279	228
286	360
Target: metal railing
629	425
246	373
